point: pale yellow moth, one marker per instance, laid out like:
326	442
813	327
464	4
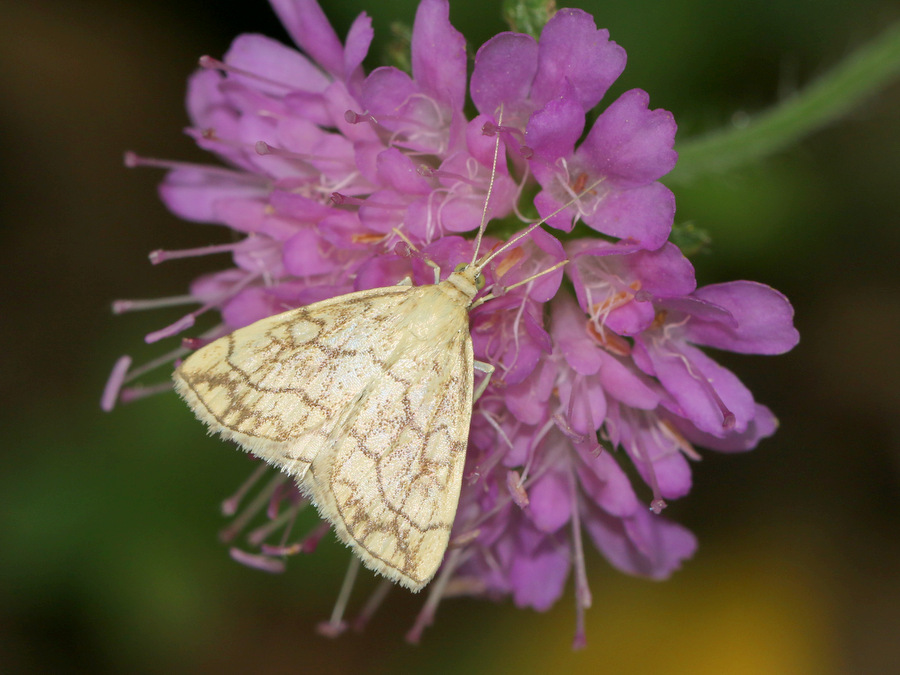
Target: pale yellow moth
365	400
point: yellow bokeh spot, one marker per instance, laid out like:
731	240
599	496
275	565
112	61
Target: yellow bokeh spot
744	613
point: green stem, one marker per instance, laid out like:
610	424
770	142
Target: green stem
824	101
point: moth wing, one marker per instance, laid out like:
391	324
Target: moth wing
279	386
390	478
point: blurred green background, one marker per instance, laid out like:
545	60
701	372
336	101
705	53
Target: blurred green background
109	560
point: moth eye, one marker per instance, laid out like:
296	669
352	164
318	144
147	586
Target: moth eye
479	281
460	268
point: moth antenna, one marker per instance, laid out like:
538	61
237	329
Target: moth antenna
538	274
487	197
531	228
491	296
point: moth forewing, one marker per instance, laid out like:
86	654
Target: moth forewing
390	479
273	386
366	400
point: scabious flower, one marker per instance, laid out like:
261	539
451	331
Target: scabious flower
330	174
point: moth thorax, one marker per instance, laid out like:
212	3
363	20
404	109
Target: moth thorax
464	281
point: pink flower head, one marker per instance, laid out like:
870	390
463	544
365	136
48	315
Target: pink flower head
335	180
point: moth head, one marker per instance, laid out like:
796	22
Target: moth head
477	276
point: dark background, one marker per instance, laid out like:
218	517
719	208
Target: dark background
109	560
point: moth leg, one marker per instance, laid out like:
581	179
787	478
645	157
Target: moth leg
436	267
405	281
437	270
488	370
490	295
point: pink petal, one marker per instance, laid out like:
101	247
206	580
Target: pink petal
573	51
303	255
537	579
192	193
439	54
643	215
644	545
606	484
550	501
505	67
629	143
310	29
764	317
626	385
690	377
273	61
359	37
552	132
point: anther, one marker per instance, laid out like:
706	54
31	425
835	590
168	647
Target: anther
195	343
610	341
307	544
516	489
513	134
339	199
262	148
130	394
209	63
230	506
353	117
161	255
336	624
122	306
185	322
133	160
490	129
114	383
258	562
465	538
402	249
261	533
256	505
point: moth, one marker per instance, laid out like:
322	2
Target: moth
365	400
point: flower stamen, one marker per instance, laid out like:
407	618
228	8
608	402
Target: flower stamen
114	384
372	604
256	505
187	321
336	624
285	518
131	394
160	255
133	160
230	505
583	599
259	562
210	63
